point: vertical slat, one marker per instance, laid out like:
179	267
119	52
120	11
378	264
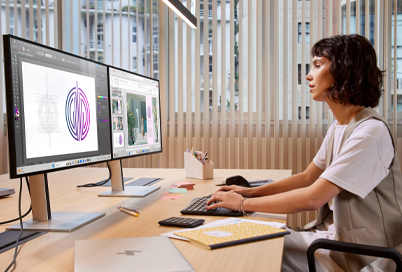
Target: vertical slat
340	23
302	87
8	17
129	39
358	28
205	116
87	37
164	68
136	28
312	118
189	89
197	84
112	34
96	29
395	123
146	37
180	121
223	86
151	41
121	36
267	83
71	27
39	20
250	80
172	121
330	33
312	103
23	19
31	20
347	16
387	58
240	113
285	85
292	218
55	23
232	89
259	100
276	84
376	39
367	17
47	22
320	104
15	9
215	129
303	100
104	32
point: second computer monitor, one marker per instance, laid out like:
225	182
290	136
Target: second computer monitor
135	112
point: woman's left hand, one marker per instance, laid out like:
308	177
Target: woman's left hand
226	199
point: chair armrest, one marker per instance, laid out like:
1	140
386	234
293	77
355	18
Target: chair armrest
375	251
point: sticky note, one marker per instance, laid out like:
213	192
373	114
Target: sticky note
169	194
178	191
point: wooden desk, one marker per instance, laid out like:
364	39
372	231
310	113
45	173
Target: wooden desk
55	251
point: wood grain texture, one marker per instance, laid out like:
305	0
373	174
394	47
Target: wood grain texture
55	251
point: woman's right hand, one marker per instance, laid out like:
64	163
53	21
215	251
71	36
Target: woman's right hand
244	191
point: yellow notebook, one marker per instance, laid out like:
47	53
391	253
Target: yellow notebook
233	234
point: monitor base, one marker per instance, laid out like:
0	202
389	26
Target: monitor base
60	222
131	191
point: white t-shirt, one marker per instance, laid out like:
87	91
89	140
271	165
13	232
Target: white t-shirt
364	159
360	166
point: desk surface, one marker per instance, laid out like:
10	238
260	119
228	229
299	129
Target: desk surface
55	251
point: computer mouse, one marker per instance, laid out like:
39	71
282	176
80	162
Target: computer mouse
237	180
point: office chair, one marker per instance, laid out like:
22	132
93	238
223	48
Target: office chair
368	250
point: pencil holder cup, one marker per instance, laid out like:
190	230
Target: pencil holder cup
194	168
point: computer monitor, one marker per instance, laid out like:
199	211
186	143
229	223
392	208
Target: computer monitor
58	118
135	121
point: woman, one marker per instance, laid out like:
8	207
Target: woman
354	179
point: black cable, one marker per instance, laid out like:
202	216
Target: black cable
22	228
100	183
30	207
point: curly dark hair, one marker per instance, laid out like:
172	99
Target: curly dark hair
358	80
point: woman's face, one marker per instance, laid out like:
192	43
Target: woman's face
320	79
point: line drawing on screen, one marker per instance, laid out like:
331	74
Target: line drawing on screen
47	113
57	85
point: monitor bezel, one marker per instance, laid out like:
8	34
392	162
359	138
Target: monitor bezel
111	124
9	109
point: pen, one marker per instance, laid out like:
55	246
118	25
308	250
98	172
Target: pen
206	153
134	212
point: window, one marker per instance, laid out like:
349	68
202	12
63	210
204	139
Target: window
100	36
307	32
156	65
307	112
299	71
134	64
134	33
210	64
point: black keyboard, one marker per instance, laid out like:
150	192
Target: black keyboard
198	207
258	183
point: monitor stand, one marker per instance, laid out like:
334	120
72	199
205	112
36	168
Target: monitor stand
118	188
45	220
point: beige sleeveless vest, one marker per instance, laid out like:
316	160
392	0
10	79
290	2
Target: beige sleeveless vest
374	220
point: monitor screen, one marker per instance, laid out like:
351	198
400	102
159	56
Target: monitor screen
57	108
135	108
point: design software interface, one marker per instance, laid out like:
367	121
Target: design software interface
61	109
135	114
